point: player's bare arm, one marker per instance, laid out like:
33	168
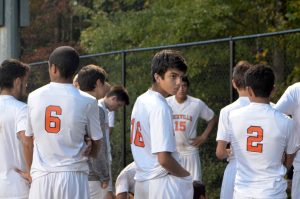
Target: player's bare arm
203	137
288	160
96	146
27	143
123	195
221	151
166	160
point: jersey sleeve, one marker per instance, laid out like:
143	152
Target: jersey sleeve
205	112
287	102
93	128
223	127
29	131
111	119
292	139
122	184
22	119
161	130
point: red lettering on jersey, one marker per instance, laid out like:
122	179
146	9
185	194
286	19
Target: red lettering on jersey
258	148
180	126
184	117
52	123
138	137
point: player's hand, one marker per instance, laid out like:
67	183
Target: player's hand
104	184
25	175
229	153
88	148
198	140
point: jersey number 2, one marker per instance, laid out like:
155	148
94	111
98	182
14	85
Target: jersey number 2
138	137
258	148
52	123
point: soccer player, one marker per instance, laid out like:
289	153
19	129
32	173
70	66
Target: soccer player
260	136
187	111
13	118
153	145
114	99
125	182
92	79
238	82
59	117
289	104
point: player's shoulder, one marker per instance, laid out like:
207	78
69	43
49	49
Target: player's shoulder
170	99
280	116
152	98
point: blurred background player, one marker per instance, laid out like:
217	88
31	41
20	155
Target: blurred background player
199	190
59	116
260	135
13	119
153	145
289	103
187	111
238	83
114	99
92	79
125	182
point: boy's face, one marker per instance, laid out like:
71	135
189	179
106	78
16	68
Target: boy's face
182	91
171	81
114	104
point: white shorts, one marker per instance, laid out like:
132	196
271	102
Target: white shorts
241	196
17	188
192	164
167	187
228	180
296	185
96	192
60	185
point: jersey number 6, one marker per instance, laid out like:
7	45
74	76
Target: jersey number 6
138	137
52	123
258	148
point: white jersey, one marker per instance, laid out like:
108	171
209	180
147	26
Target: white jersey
59	117
223	125
102	104
125	181
151	132
13	119
259	137
111	119
289	103
185	121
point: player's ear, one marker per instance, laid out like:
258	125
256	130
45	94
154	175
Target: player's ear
17	82
250	91
157	78
233	84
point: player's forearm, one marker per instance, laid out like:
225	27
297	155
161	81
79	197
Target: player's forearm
221	151
166	160
288	162
28	152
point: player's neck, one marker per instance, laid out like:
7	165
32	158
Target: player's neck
242	92
158	89
62	80
180	100
8	92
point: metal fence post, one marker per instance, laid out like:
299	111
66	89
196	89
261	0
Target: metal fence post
123	145
232	62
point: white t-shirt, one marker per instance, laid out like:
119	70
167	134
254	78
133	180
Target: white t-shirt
151	132
111	119
125	181
13	119
259	136
223	126
59	117
289	103
102	104
185	121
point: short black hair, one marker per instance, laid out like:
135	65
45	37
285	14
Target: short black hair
199	189
66	59
186	80
166	59
88	76
120	92
238	75
10	70
261	79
